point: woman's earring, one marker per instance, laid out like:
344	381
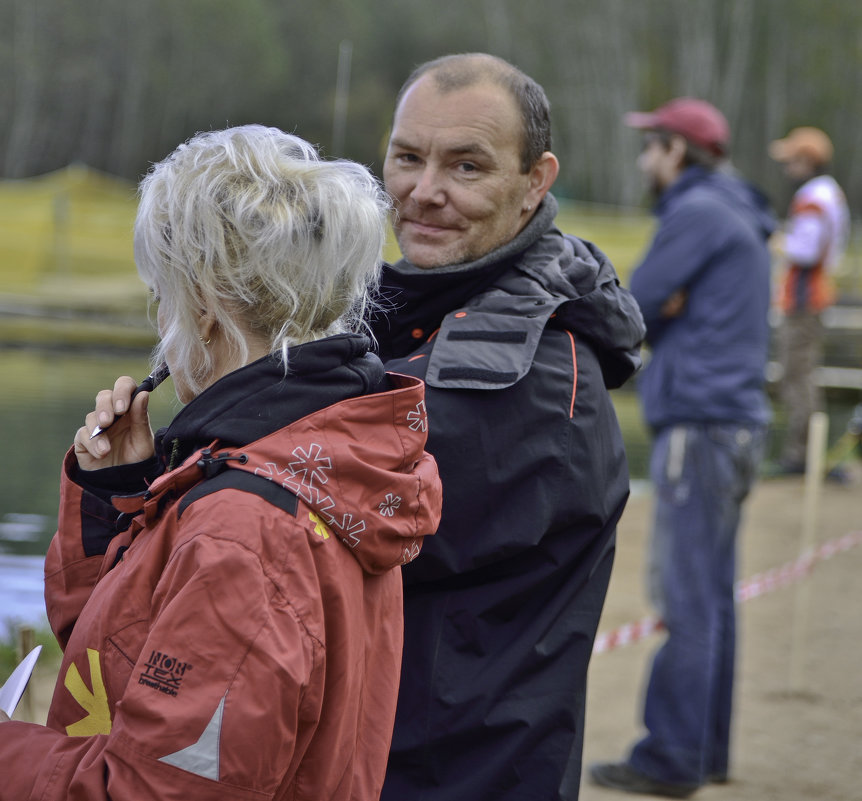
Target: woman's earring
205	341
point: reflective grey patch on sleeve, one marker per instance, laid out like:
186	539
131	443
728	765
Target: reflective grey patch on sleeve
202	757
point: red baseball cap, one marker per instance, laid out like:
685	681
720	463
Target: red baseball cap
696	120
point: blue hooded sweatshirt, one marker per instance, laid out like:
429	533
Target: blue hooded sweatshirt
708	363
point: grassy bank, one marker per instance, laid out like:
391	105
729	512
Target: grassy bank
10	652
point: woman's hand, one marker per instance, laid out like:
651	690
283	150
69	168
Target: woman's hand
129	438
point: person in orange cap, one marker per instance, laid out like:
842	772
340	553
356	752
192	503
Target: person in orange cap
811	247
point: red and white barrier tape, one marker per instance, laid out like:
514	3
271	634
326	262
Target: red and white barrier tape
626	634
746	589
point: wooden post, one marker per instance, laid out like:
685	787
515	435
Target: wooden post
26	643
342	96
818	427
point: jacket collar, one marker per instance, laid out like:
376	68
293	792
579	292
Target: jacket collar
252	402
687	178
413	301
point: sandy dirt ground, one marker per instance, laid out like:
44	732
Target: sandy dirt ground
798	725
798	713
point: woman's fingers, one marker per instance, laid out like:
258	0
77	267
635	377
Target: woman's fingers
124	439
113	403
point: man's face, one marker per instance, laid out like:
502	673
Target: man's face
453	170
659	162
799	168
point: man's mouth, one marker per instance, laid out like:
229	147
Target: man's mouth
426	227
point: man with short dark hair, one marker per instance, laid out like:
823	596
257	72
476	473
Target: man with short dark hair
518	331
703	288
818	227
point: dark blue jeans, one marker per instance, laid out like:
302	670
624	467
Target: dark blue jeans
701	475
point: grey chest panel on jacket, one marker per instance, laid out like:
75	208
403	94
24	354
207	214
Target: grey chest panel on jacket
492	345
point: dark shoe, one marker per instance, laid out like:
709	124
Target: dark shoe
622	776
839	475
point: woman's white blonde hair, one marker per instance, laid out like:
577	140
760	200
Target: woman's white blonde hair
251	226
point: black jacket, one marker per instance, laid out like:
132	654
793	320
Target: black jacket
518	351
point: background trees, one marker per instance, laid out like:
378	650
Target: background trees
117	84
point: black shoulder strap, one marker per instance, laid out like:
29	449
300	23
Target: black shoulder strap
272	493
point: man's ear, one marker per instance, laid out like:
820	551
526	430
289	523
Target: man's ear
542	176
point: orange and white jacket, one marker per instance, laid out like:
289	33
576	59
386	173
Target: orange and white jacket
817	232
234	631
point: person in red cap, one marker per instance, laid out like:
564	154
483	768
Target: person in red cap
812	246
699	123
703	288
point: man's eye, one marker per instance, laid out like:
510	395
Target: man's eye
467	166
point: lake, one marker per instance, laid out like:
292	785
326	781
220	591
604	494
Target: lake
44	396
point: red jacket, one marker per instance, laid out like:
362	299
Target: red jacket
241	639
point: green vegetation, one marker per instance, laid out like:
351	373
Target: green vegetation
623	234
67	270
118	85
9	650
62	228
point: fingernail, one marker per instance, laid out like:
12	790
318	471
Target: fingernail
120	407
104	419
101	447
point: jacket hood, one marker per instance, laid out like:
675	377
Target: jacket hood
598	309
746	194
358	463
360	467
739	193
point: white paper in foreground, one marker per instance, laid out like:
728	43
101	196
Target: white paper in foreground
13	689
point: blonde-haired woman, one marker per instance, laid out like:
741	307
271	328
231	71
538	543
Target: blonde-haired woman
227	592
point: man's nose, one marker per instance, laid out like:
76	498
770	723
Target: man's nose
429	188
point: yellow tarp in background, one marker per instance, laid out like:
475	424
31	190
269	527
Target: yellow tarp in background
75	221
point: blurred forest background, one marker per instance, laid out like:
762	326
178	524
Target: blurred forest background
117	84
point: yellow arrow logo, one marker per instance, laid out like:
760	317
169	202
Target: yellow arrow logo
320	528
98	719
